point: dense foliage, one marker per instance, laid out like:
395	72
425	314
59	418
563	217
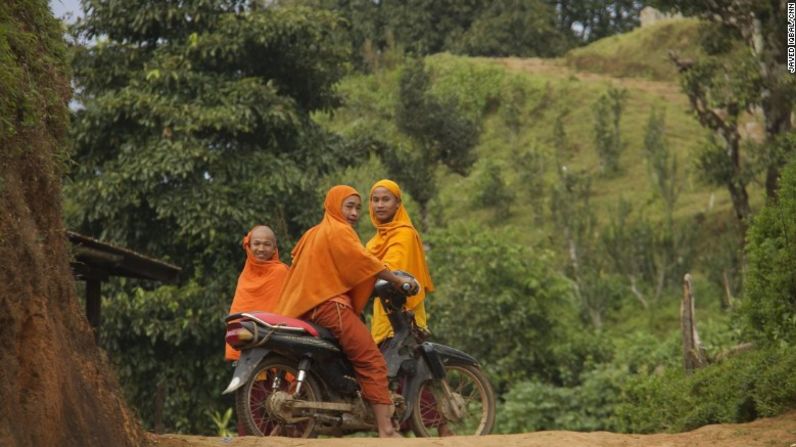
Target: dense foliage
195	125
503	303
739	389
770	277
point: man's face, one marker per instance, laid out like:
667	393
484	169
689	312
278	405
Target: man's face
263	244
384	204
351	207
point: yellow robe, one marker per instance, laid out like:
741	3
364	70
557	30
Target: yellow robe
398	245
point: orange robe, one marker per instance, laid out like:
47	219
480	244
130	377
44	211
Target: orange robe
329	261
398	245
329	283
259	285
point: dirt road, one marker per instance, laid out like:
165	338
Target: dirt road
772	432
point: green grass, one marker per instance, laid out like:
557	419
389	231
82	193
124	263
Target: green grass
641	53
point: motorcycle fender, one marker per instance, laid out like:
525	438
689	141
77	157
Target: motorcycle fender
246	364
446	354
433	360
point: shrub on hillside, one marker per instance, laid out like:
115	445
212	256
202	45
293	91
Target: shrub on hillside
739	389
594	402
769	302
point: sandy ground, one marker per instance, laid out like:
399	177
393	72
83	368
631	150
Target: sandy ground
771	432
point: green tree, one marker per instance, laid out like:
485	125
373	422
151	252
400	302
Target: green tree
662	164
607	129
504	304
440	132
647	252
769	301
574	216
719	88
531	164
756	73
194	126
492	190
56	387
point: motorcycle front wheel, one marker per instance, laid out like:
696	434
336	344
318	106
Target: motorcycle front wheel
464	406
271	375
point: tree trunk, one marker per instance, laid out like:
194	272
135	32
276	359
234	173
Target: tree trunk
777	116
56	389
735	185
777	105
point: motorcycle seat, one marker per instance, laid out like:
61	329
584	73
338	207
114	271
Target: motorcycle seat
287	322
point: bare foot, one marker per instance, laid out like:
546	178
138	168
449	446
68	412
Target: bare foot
444	430
389	433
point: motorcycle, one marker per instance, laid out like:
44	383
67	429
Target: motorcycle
292	378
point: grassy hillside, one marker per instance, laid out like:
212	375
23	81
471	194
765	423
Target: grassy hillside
641	53
547	89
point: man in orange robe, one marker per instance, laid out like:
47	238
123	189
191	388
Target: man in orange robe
261	280
329	283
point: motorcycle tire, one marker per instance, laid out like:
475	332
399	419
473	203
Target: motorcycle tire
250	399
472	394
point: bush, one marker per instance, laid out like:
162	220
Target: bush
739	389
502	303
593	404
533	406
492	191
769	302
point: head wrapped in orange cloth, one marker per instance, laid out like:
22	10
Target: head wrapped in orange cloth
398	245
329	261
261	280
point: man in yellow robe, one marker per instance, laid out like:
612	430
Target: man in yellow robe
398	245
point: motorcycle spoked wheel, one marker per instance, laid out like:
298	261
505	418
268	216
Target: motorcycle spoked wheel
472	393
250	399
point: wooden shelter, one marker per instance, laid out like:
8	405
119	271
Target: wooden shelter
95	261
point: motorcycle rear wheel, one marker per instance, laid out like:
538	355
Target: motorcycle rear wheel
473	394
273	374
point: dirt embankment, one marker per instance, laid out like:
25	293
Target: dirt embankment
771	432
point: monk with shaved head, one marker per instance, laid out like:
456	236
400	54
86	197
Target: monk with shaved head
262	277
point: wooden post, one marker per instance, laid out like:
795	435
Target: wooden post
160	400
693	354
94	304
727	301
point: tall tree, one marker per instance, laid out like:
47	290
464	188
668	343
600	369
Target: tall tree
607	129
760	26
441	134
55	387
195	126
720	87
